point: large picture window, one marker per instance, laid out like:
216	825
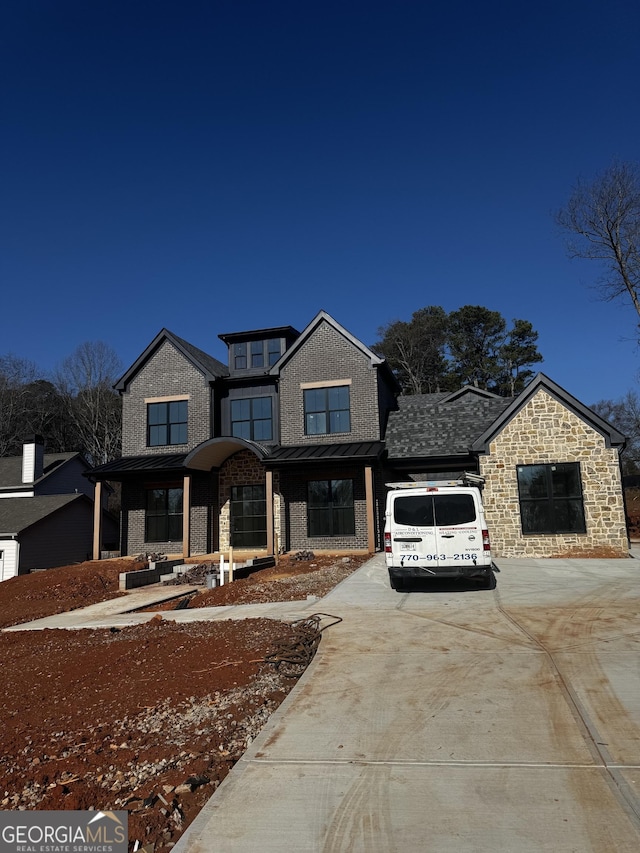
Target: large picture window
163	515
167	423
327	410
251	419
551	498
330	508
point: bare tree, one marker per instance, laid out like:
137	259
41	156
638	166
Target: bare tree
624	414
415	349
15	376
85	379
602	220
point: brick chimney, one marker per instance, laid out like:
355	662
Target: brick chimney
32	458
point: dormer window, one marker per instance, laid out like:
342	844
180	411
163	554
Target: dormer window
258	350
257	353
274	350
240	356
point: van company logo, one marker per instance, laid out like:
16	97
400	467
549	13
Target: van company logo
63	832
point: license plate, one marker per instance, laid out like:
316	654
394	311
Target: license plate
408	546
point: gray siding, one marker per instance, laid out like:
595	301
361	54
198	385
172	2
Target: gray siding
62	538
67	480
328	355
167	373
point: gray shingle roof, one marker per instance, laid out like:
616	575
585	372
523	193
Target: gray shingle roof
16	514
210	365
430	425
11	468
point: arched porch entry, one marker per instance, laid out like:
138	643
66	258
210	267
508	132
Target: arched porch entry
245	493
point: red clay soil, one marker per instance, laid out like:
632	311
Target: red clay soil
148	718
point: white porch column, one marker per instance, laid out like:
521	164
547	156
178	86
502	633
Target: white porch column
369	497
186	516
269	501
97	519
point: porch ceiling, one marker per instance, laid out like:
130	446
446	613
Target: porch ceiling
215	452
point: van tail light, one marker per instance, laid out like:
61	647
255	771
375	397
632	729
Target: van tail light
387	543
486	545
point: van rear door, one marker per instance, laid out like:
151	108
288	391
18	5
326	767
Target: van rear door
456	526
436	530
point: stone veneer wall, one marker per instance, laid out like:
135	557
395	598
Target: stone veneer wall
242	469
544	432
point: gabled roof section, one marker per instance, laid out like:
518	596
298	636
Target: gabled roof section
323	317
441	424
468	390
612	436
11	469
209	366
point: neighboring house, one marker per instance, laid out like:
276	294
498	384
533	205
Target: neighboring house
289	445
46	510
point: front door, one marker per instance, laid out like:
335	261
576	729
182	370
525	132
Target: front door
248	517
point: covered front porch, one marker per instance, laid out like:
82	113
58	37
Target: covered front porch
233	493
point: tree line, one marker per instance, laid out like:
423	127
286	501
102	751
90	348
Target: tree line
74	409
601	223
436	351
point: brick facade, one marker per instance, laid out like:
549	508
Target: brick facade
545	431
549	427
203	524
328	356
167	373
294	492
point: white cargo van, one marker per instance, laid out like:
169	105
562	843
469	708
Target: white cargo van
436	530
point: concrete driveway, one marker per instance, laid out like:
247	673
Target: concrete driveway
453	719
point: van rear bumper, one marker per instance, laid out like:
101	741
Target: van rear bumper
465	570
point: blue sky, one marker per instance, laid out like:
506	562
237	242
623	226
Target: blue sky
219	166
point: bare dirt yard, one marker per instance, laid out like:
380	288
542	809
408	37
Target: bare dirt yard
148	718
